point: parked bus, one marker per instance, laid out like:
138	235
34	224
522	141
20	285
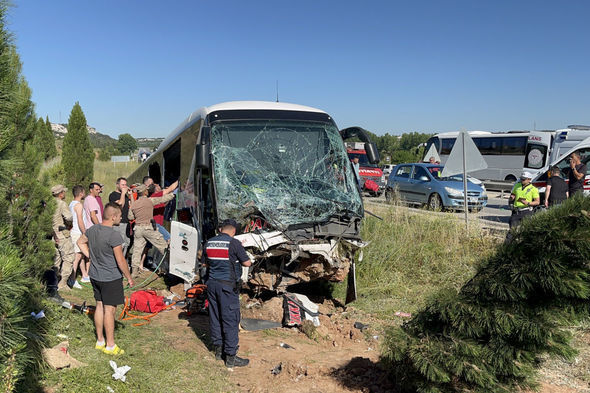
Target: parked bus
504	152
281	170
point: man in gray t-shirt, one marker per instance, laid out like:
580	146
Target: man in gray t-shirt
103	244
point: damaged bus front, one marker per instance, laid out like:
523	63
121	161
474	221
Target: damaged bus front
280	170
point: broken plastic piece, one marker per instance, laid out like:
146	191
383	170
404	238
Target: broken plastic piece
251	324
286	346
119	372
360	326
39	315
277	370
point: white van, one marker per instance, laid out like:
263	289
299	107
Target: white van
563	163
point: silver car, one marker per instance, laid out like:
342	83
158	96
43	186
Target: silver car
422	184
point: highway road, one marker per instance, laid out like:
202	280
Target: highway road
494	216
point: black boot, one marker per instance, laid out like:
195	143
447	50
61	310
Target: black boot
232	361
218	352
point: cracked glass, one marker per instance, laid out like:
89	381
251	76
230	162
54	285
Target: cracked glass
287	172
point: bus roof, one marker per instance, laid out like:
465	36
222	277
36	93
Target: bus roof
201	113
454	134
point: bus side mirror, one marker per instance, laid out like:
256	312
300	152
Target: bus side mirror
203	148
372	152
203	156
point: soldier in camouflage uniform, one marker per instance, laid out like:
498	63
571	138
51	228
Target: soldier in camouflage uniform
64	249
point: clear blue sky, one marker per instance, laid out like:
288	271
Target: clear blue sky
142	66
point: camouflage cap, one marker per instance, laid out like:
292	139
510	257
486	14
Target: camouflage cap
141	188
55	190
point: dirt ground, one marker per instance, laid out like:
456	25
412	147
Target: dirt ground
337	358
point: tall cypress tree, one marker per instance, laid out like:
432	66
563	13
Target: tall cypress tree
25	220
490	335
77	155
51	149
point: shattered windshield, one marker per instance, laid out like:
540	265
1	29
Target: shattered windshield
288	172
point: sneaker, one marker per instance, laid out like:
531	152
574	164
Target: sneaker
77	285
100	347
235	361
115	351
85	279
218	352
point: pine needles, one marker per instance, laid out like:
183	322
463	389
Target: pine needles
489	335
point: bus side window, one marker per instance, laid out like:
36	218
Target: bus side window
172	164
155	173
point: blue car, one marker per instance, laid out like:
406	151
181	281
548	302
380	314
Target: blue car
422	184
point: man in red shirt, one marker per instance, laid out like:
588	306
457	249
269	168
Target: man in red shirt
155	191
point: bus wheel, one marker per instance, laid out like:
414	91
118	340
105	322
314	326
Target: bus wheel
510	178
435	202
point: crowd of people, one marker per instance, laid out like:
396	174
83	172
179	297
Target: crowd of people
525	197
93	239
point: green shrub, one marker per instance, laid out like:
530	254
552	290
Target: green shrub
489	335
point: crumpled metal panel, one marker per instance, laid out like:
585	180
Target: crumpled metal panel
288	172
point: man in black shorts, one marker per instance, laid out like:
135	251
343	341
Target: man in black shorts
103	244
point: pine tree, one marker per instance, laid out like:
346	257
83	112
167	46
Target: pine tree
25	220
77	155
44	139
489	336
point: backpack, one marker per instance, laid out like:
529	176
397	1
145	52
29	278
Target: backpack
146	301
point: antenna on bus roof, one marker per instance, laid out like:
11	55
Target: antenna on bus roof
277	90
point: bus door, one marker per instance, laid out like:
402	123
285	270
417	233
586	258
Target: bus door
537	151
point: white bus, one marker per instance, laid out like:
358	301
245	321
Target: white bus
282	172
504	152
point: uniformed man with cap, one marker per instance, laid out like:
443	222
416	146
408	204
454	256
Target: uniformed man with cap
524	197
64	249
225	258
142	211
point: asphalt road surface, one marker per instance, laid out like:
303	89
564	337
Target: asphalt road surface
495	215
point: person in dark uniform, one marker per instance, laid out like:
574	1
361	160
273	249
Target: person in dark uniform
225	258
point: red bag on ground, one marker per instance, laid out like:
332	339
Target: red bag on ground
371	185
146	301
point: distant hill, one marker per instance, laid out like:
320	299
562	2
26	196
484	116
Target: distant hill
100	141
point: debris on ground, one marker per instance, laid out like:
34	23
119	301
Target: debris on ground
277	369
58	357
38	315
119	372
252	324
286	346
360	326
403	314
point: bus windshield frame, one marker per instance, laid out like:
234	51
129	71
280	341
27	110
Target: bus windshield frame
289	171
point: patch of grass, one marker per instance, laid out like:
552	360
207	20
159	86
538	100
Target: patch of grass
107	172
161	360
410	256
309	329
